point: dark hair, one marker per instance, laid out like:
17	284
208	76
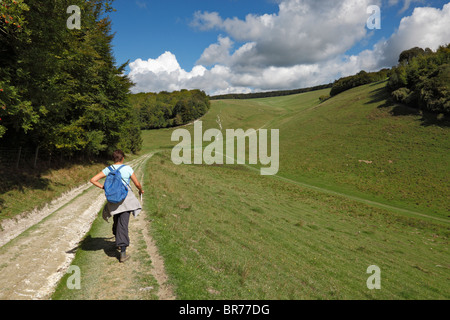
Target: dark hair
118	155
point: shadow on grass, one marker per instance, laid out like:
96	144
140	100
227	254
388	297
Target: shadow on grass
22	179
19	181
108	245
382	97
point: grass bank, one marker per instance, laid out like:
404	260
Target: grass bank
228	233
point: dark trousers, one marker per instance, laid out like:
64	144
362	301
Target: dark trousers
120	229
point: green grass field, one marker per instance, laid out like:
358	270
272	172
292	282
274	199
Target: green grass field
357	143
311	232
228	233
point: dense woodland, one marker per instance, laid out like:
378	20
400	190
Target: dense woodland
61	94
164	109
60	91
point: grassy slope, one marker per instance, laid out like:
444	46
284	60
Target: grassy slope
227	232
321	144
410	162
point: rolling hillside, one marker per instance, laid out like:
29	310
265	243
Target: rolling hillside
358	143
314	229
362	182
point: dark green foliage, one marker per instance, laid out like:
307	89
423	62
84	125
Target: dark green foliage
403	94
397	78
356	80
165	109
61	91
409	54
422	79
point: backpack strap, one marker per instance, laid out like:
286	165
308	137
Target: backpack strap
118	169
122	178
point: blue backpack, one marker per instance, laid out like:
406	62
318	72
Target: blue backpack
115	190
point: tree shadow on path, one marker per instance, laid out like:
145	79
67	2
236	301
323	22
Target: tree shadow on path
108	245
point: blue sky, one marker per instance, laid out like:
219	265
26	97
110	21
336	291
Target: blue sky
225	46
148	28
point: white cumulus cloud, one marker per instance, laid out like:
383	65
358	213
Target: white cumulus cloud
163	74
303	31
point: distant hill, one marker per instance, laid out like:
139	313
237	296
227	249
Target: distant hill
269	93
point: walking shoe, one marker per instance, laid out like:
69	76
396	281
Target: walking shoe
124	257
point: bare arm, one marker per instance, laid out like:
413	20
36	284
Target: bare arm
136	183
96	178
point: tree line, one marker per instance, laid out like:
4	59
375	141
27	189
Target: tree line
60	90
164	109
358	79
269	93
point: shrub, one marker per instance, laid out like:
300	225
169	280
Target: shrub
324	98
402	95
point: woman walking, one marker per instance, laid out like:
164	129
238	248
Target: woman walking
121	211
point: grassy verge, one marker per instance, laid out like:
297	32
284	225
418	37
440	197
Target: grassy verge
228	233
